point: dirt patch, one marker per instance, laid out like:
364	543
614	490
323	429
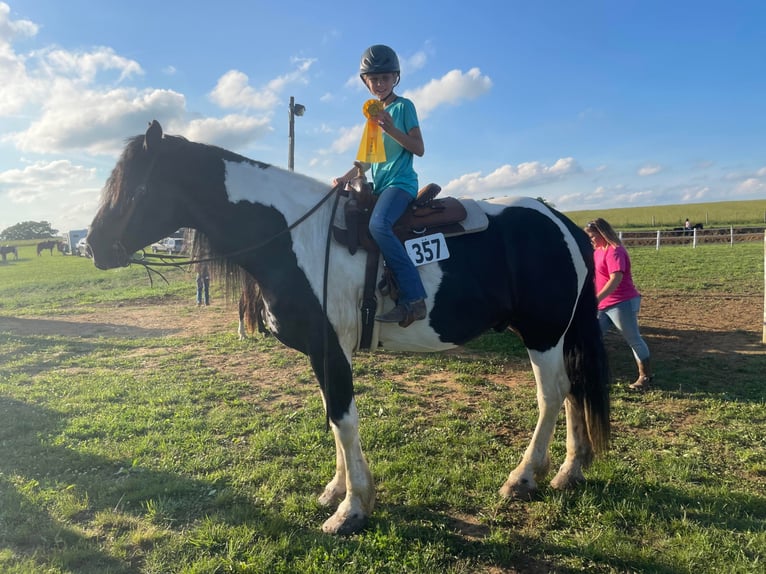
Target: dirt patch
131	321
674	325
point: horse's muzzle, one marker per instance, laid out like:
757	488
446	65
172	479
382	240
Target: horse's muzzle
114	256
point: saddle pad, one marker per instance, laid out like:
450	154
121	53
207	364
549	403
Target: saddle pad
475	220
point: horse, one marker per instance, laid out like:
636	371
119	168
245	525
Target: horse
5	250
688	230
49	245
530	271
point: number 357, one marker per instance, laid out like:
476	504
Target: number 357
427	249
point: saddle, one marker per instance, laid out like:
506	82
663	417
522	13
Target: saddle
424	216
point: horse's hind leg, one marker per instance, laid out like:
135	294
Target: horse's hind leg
552	387
579	448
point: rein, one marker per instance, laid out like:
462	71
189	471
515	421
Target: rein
189	262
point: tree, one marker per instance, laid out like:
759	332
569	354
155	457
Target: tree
28	230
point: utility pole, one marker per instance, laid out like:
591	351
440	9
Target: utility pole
295	110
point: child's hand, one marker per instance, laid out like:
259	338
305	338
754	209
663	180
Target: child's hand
385	120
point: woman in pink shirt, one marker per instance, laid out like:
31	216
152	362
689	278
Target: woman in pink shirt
618	299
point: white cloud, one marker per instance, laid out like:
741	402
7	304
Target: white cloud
95	121
649	169
452	88
507	177
752	186
232	131
45	181
233	90
84	67
11	29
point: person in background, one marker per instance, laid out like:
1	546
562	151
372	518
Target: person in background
618	299
394	180
203	284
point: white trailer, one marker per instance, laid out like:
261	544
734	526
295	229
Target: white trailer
72	237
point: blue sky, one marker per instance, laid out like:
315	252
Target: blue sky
587	104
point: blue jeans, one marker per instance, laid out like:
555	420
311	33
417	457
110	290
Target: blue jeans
624	316
390	206
203	288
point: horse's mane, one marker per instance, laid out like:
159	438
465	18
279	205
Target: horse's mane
230	275
113	190
133	157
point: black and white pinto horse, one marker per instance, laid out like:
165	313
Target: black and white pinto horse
6	250
531	272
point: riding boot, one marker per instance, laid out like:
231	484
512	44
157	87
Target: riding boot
404	313
644	376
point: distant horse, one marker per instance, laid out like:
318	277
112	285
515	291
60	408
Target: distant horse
688	230
530	271
50	245
251	310
5	250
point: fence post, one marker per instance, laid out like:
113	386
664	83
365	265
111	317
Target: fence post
763	338
658	240
732	236
694	238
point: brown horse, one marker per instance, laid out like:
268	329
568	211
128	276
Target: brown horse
50	245
6	249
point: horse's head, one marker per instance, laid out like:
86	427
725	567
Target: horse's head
140	201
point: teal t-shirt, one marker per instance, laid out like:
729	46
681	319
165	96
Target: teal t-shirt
397	170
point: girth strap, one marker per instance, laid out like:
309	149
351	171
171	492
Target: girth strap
369	301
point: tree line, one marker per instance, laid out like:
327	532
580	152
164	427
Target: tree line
28	230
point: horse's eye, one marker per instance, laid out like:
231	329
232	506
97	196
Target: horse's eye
140	190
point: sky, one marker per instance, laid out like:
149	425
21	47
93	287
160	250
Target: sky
588	104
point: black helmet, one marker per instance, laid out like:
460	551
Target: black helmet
378	59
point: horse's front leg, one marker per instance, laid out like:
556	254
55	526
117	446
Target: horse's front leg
352	481
352	484
552	387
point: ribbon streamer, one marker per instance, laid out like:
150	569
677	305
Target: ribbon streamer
371	148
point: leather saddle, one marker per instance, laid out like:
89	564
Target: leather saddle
425	215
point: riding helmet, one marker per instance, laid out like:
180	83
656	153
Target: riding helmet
378	59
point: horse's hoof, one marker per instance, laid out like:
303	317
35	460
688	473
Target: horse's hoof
522	490
345	525
330	497
567	481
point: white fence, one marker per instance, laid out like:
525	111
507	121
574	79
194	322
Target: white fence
692	237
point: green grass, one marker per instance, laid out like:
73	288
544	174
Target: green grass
141	453
715	214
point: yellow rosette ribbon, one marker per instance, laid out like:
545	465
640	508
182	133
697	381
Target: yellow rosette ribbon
371	148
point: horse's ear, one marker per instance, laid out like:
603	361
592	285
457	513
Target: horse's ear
153	135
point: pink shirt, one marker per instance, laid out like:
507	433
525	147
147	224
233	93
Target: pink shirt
608	261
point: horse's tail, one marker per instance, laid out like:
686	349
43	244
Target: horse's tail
587	367
251	307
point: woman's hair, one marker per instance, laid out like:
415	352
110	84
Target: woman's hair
602	227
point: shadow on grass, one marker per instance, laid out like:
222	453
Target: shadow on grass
84	329
535	553
34	474
726	364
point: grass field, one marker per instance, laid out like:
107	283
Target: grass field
717	214
138	434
